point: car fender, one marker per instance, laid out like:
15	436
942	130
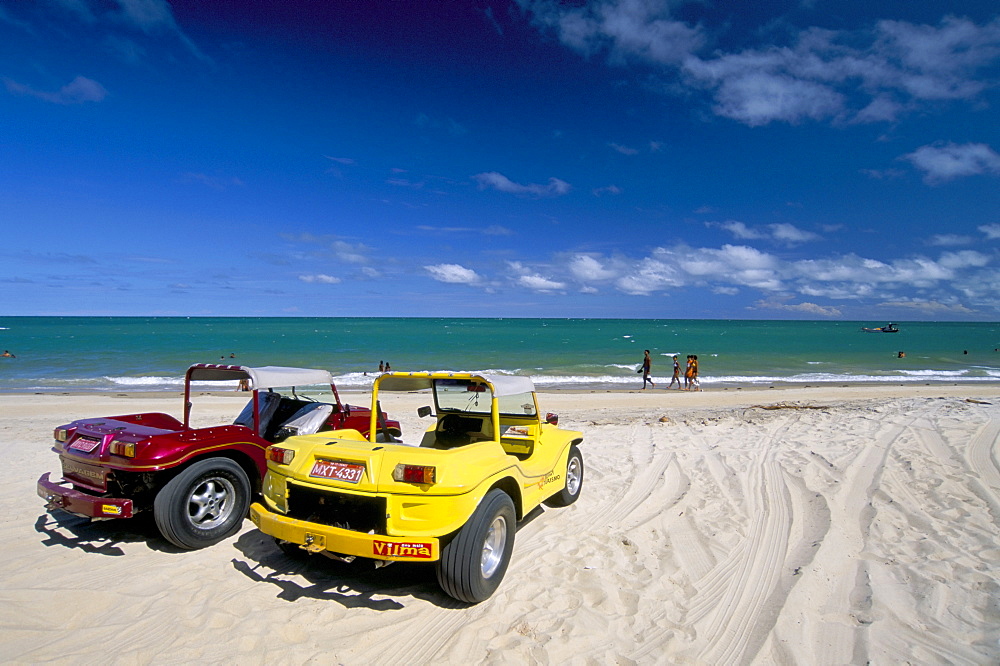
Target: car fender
241	458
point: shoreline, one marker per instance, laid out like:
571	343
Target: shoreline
860	389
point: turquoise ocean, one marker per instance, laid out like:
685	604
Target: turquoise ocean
100	354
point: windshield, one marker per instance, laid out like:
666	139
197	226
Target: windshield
462	395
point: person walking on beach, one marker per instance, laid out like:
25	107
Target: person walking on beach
677	375
695	384
647	365
688	372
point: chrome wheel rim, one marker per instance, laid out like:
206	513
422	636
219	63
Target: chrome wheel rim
574	476
211	503
493	546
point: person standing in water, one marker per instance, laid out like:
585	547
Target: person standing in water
647	365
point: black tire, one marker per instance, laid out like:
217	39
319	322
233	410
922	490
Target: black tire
574	480
474	562
204	504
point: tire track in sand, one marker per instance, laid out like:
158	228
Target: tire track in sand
841	581
535	546
648	465
981	458
732	595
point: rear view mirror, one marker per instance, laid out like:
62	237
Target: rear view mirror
552	418
423	411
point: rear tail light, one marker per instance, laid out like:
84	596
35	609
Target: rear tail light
414	473
280	455
124	449
61	434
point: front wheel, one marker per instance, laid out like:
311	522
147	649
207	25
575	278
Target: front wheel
474	562
204	504
574	480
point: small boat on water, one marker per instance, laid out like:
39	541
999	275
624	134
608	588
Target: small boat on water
888	328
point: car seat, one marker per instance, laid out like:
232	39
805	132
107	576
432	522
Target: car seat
267	404
306	421
453	430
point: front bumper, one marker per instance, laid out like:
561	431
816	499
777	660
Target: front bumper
60	496
316	538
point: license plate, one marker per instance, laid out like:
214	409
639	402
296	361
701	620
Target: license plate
338	470
85	444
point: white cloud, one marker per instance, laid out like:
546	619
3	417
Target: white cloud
731	268
650	275
947	161
501	183
738	229
857	76
355	253
992	231
624	150
152	17
801	308
791	235
588	269
628	29
935	61
79	90
883	174
755	97
928	307
608	189
529	278
320	279
492	230
949	240
342	251
405	182
964	259
831	75
783	233
858	271
539	283
453	274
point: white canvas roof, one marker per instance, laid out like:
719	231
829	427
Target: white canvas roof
270	376
416	381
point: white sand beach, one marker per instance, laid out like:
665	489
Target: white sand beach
826	525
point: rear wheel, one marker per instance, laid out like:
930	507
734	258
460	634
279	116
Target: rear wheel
474	562
574	480
204	504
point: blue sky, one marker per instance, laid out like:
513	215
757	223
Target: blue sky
617	158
